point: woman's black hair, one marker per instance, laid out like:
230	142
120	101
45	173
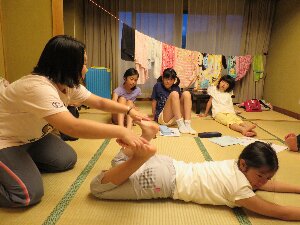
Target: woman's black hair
230	82
170	73
259	154
130	72
62	60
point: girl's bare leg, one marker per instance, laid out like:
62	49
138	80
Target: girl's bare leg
186	105
172	107
186	109
121	172
172	110
121	116
128	118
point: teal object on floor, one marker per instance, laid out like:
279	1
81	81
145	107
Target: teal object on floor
98	81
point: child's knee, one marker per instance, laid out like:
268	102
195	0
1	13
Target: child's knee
97	188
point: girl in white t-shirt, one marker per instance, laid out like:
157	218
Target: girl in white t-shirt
30	109
126	94
222	107
140	174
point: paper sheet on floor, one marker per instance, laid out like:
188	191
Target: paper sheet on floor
228	140
175	133
248	140
224	140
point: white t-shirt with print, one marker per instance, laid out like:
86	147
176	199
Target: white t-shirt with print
24	104
215	183
221	102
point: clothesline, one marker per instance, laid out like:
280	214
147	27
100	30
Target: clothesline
144	70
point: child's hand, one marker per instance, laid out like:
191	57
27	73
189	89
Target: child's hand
202	115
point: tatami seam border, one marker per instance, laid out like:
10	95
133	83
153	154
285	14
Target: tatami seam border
67	198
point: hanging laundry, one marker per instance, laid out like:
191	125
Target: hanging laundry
155	56
211	67
185	65
141	59
258	67
127	43
168	56
242	66
231	66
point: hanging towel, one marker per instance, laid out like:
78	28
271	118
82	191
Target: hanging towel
231	64
127	43
155	57
141	56
213	65
185	65
242	66
168	56
258	67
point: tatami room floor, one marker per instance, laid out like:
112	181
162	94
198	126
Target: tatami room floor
67	199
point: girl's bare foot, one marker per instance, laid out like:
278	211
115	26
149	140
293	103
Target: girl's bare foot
248	127
291	142
149	129
144	153
250	134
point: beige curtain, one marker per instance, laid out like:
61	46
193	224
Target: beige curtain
232	27
101	35
255	40
215	26
160	19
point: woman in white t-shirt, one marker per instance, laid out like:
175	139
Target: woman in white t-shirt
140	174
222	107
35	104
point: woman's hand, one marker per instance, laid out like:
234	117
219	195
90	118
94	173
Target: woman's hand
131	140
136	115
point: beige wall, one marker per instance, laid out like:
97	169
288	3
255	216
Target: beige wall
2	67
26	27
282	85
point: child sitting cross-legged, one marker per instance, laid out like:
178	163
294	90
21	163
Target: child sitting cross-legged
138	173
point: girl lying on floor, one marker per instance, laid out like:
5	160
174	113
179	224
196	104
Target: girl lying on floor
141	174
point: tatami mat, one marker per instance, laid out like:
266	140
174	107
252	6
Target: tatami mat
67	199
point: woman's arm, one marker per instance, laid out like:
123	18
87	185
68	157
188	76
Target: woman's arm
108	105
66	123
276	186
208	106
266	208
